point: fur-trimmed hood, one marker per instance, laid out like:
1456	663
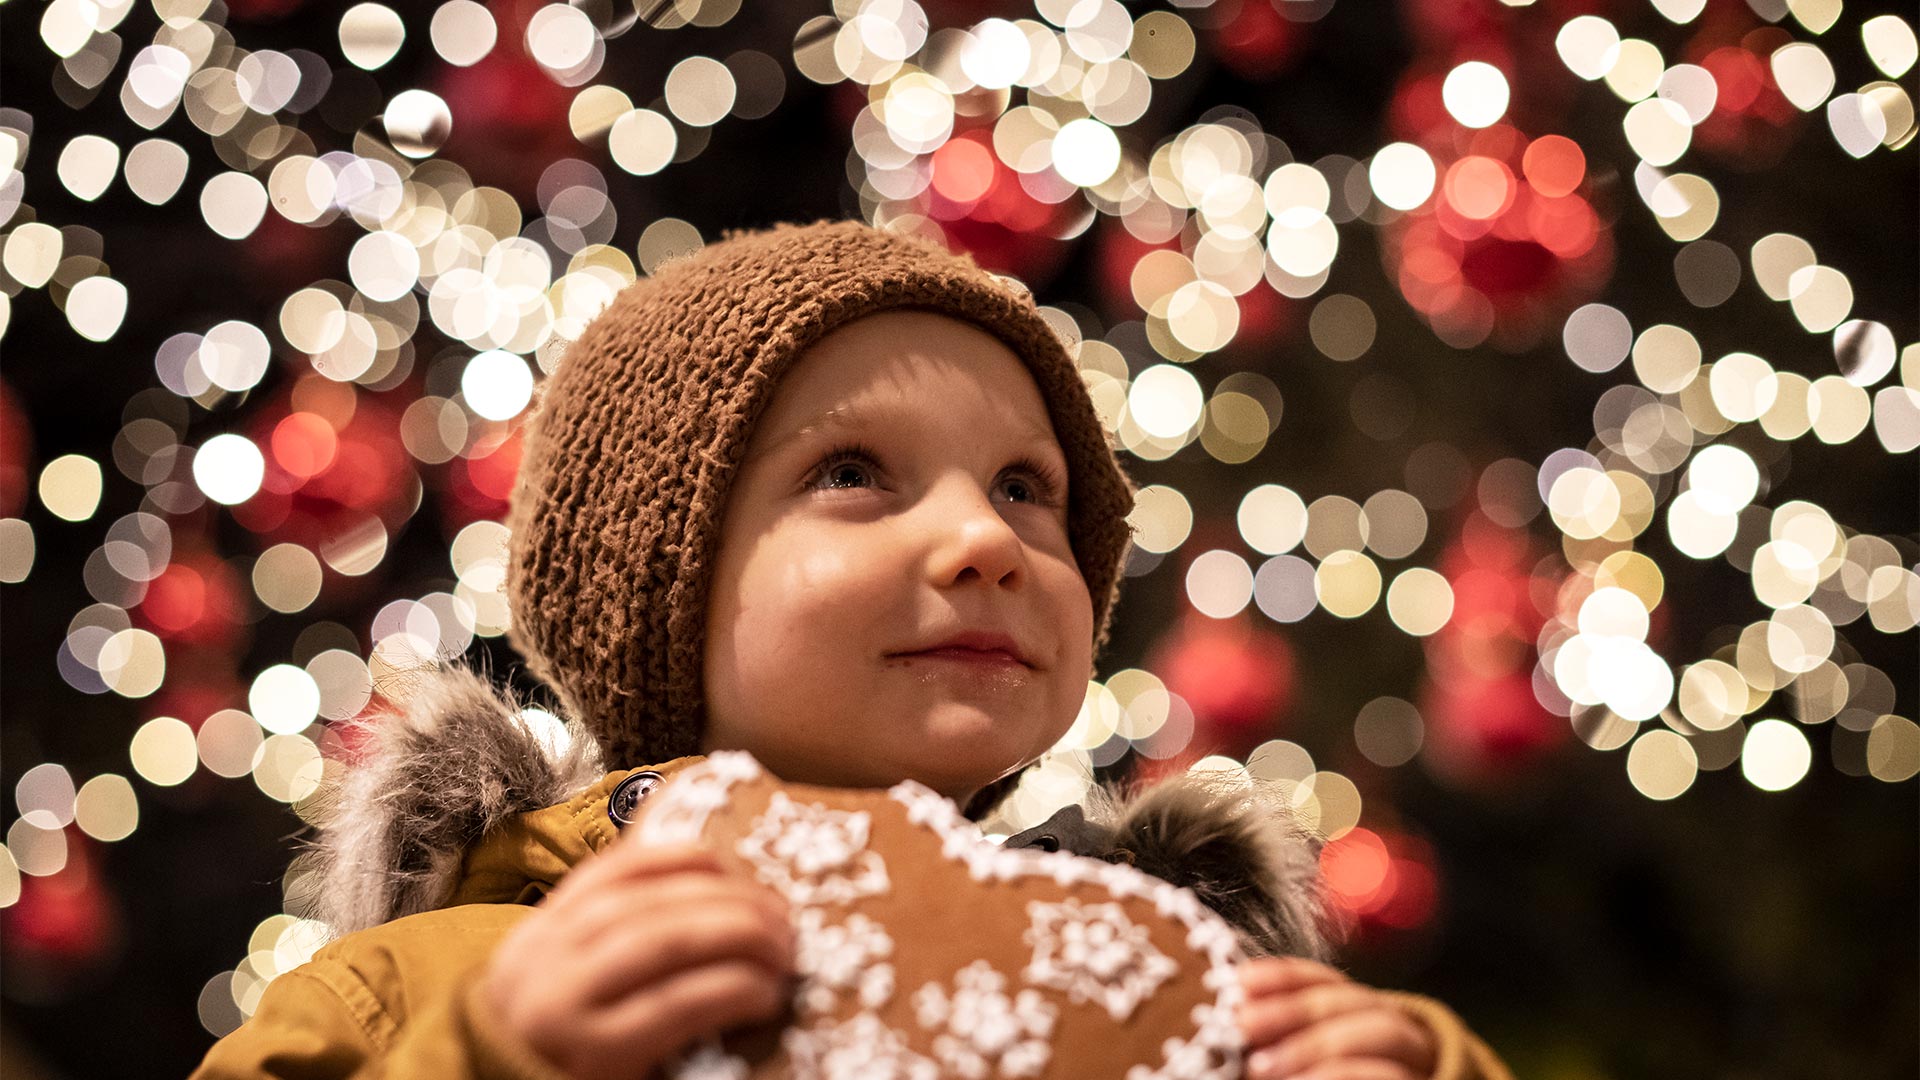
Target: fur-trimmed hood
457	774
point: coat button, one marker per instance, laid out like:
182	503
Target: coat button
624	804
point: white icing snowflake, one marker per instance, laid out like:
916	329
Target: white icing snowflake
848	956
862	1047
711	1062
1094	952
680	809
1214	1053
981	1028
813	854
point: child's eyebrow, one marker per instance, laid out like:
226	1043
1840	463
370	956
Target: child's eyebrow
862	418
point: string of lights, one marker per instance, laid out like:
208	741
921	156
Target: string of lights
281	453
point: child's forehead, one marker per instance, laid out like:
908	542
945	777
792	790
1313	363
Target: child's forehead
895	377
880	415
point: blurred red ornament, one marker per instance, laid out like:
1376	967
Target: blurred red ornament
197	600
964	171
983	207
1236	676
1355	869
304	445
1417	107
1033	257
492	470
1416	893
1265	316
1445	24
1555	166
16	448
1485	542
62	923
1507	244
475	488
200	683
1117	252
1483	718
1482	729
177	599
282	256
1253	39
263	10
509	115
1381	876
1010	203
1752	124
362	479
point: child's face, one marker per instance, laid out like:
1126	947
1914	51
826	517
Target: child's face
834	562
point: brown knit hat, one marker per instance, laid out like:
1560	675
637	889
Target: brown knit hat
635	439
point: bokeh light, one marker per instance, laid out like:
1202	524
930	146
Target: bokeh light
1551	399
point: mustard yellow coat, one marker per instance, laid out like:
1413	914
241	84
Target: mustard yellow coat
401	999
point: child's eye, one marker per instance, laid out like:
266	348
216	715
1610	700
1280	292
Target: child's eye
1041	482
843	463
853	466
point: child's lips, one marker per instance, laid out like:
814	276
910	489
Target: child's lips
976	646
985	657
967	670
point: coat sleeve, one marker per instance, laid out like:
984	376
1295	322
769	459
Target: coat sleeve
1459	1053
320	1022
394	1002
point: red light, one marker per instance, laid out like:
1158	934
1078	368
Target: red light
493	473
1254	40
1237	678
1739	75
1479	187
304	444
1414	894
963	170
176	599
1355	868
1554	165
1567	227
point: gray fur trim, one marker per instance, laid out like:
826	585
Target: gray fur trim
1243	850
449	759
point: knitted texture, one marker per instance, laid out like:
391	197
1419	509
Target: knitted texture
636	437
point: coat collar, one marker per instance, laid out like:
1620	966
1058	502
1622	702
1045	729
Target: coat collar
525	856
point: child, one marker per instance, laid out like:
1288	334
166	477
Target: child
822	493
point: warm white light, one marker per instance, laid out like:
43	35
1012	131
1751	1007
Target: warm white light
497	384
228	469
284	699
1723	479
1166	401
1086	152
1475	93
1219	584
1589	46
1775	755
1402	175
96	306
996	54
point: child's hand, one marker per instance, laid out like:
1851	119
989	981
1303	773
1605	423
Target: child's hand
1306	1021
635	955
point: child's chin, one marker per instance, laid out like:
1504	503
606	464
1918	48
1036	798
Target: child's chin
969	756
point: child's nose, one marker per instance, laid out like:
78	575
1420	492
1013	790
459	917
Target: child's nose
970	537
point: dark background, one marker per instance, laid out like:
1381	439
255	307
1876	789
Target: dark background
1583	929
